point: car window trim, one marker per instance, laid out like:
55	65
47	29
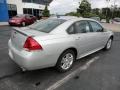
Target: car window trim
75	30
81	21
69	27
97	23
91	29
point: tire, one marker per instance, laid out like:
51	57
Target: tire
108	45
23	24
65	61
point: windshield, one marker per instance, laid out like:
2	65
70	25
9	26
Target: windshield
19	16
47	25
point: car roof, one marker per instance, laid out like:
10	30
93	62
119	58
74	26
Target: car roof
72	18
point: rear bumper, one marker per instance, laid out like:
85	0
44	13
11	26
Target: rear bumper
15	23
30	60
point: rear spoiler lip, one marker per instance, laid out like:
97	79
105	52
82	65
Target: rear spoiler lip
22	33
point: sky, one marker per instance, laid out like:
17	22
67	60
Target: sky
65	6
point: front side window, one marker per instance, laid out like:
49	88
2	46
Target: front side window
96	27
82	27
47	25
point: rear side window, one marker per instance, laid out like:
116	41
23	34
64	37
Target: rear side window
95	26
82	27
71	30
47	25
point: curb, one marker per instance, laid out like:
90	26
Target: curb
3	24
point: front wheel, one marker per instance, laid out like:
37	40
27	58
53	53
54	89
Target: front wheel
65	61
23	24
109	44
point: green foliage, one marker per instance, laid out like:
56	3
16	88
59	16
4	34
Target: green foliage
88	15
46	12
107	13
73	14
84	8
102	16
116	12
96	11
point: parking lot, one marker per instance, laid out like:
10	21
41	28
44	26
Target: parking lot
102	73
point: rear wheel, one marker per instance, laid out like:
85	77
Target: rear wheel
109	44
65	61
23	24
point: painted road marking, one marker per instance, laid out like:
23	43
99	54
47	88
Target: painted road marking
71	75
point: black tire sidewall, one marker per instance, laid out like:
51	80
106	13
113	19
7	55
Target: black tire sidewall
23	25
58	65
107	43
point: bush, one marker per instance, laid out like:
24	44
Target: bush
46	12
73	14
88	15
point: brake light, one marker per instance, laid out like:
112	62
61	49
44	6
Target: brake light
31	44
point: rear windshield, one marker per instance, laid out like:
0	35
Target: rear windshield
46	25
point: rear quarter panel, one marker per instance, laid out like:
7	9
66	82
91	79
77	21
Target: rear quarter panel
54	47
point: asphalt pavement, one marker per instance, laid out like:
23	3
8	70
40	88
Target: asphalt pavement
103	74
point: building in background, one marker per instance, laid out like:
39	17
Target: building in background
14	7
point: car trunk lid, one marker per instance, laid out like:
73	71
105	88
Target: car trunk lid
20	35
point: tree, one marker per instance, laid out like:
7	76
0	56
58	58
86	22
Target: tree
96	11
73	14
84	8
107	13
46	12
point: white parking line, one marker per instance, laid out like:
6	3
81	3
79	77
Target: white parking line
71	75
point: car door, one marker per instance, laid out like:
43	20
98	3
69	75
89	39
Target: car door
29	20
99	34
83	38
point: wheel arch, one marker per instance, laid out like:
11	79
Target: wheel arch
70	48
112	37
57	63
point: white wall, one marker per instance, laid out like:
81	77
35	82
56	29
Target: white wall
20	5
33	5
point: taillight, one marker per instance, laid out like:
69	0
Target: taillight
31	44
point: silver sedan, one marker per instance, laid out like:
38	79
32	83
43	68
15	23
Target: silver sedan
57	42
